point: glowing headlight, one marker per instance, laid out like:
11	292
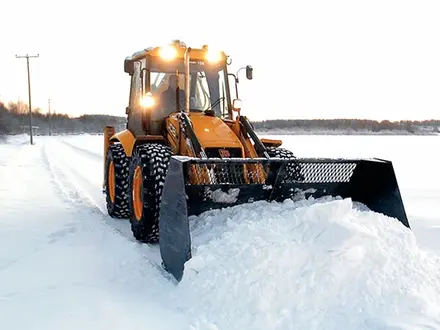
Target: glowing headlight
213	56
168	53
147	101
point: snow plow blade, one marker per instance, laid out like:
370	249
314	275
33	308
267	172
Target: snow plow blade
195	185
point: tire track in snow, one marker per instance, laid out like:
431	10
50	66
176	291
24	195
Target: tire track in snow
79	177
84	151
60	181
60	260
74	183
63	181
27	164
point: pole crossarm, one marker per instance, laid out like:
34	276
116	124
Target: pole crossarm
27	56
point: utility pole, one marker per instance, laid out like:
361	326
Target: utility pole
29	91
50	119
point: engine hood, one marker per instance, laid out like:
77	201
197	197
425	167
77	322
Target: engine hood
212	132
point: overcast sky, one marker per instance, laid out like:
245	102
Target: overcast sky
312	59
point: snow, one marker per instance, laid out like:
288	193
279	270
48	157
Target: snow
61	266
349	131
15	139
219	196
306	264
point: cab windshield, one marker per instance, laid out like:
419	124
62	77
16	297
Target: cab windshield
207	88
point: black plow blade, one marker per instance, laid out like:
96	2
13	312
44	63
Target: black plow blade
193	186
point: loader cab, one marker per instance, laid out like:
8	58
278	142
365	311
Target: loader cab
209	90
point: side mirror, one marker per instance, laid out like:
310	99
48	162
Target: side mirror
249	71
127	110
236	105
128	66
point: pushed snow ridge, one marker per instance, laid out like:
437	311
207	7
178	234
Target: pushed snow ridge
330	265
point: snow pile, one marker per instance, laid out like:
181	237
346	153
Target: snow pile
326	266
15	139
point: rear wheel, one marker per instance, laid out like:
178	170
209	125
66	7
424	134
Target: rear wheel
293	169
148	169
116	181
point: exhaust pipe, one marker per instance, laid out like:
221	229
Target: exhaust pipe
187	81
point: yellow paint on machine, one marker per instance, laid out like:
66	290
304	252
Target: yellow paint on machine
127	140
213	132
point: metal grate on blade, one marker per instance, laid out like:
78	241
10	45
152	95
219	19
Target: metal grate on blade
238	173
327	172
227	173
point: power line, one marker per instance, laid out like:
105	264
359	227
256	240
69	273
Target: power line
29	91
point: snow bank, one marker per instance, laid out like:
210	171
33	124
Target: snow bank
325	266
15	139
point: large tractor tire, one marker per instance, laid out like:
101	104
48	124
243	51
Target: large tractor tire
293	170
116	182
148	169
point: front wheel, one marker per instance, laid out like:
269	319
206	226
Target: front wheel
148	169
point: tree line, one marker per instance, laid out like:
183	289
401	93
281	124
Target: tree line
14	119
347	125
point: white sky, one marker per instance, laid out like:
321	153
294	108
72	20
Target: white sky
377	59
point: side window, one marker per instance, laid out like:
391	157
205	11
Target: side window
157	82
202	93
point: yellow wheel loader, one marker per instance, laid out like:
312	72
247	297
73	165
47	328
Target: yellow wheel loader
187	149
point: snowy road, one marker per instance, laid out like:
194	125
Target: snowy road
64	264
